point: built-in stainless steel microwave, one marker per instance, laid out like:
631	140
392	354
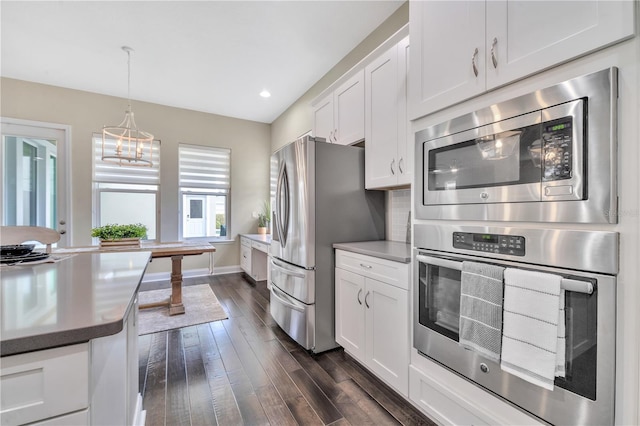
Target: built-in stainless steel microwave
548	156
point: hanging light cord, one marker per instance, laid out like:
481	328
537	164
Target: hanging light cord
128	50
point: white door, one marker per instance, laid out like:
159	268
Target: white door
348	110
35	176
349	312
195	224
323	118
446	68
387	333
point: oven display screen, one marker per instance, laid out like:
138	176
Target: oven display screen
485	238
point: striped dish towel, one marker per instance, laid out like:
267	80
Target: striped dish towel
530	331
481	308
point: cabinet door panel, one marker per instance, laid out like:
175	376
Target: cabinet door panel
388	333
405	142
349	110
323	118
350	332
531	36
444	37
381	136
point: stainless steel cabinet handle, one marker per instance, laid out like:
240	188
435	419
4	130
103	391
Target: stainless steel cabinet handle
62	232
400	165
393	162
494	59
366	266
359	293
473	62
365	299
335	135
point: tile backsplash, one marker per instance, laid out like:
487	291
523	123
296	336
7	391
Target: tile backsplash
398	210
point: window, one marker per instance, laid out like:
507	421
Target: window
126	194
205	176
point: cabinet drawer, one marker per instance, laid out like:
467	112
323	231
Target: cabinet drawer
245	242
388	271
43	384
260	246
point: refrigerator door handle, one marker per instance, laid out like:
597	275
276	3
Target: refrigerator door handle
286	270
285	300
282	203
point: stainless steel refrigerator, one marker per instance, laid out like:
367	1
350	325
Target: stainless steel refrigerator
318	199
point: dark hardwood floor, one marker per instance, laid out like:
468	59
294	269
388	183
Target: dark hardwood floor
246	370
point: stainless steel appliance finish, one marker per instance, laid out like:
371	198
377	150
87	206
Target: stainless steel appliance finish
588	263
319	199
548	156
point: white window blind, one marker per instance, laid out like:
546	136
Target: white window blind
204	167
113	173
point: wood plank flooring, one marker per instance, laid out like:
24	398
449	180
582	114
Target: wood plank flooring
246	371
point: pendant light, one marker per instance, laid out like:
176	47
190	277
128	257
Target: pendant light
125	144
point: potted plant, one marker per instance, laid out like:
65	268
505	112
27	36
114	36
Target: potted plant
120	235
264	218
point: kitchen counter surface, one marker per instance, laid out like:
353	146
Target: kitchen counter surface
262	238
75	299
390	250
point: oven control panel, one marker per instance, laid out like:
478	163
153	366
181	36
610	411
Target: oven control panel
491	243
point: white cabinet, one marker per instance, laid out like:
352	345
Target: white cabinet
372	315
254	258
43	384
464	48
339	115
388	149
92	383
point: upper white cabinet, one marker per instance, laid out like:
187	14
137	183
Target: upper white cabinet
339	116
387	155
463	48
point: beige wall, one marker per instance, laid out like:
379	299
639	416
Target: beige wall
87	112
296	120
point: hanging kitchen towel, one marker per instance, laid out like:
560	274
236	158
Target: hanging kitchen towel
481	308
530	325
562	340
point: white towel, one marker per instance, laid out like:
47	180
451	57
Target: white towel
481	308
530	326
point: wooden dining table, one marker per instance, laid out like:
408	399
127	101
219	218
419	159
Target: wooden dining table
174	250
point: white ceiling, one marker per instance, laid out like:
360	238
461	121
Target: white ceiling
210	56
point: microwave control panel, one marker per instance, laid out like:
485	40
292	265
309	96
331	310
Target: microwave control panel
557	146
491	243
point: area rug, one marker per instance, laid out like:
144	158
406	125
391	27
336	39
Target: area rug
200	304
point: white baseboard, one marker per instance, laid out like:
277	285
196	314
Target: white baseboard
166	276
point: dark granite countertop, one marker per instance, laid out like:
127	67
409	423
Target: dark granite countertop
390	250
76	299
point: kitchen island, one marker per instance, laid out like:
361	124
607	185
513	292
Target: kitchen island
69	340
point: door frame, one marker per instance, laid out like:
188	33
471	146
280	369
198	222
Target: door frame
64	167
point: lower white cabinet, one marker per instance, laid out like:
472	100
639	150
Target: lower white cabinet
93	383
372	315
254	258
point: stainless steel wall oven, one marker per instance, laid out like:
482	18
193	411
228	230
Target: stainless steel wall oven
586	263
548	156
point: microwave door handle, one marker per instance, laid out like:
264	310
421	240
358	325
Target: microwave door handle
436	261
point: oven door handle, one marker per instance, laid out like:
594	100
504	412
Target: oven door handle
566	283
436	261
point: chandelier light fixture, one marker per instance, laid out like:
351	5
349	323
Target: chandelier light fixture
125	144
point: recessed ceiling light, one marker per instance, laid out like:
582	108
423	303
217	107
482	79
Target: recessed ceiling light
265	94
